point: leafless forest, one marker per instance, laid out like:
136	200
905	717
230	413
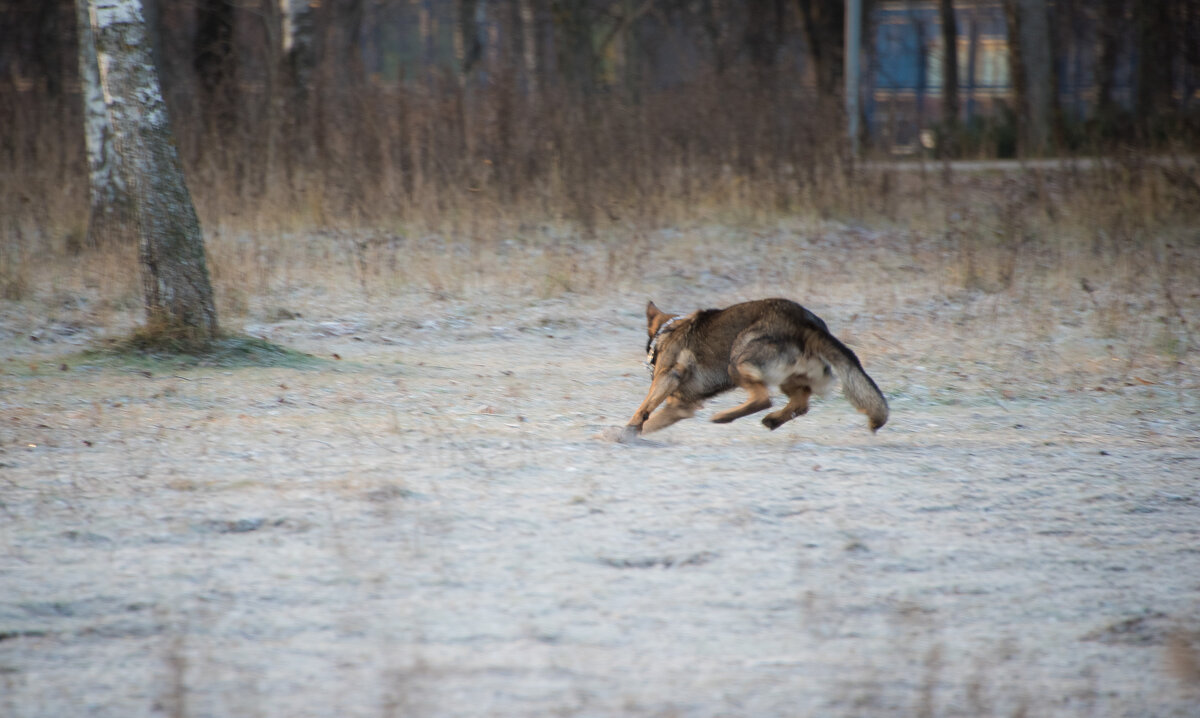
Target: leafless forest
390	486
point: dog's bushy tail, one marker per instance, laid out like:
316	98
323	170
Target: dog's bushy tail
859	388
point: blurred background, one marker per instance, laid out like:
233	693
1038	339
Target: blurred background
595	110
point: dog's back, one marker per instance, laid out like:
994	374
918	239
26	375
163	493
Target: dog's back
710	333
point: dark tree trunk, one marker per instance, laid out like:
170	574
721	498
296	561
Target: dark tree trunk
972	63
341	74
922	87
1111	21
764	32
948	146
576	51
34	42
1156	67
343	42
1016	66
1190	30
1030	68
824	32
529	47
214	63
1038	59
300	48
298	43
470	46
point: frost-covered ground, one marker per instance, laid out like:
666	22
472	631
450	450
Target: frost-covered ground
436	524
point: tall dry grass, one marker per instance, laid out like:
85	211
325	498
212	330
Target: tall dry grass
446	188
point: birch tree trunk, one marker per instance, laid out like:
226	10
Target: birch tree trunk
178	295
110	212
299	69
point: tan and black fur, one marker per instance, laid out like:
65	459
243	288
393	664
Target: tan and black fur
755	345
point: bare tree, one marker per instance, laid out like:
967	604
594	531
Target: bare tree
342	24
1155	74
972	60
824	23
468	46
111	206
1189	28
299	43
1031	66
764	32
1112	15
1039	69
529	40
574	33
214	63
340	66
31	46
948	144
175	283
298	63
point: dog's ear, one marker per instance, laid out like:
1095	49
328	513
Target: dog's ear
652	313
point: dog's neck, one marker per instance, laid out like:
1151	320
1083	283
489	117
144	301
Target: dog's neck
652	347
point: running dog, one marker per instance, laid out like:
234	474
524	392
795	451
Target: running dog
755	345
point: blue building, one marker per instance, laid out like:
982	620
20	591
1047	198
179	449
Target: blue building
906	89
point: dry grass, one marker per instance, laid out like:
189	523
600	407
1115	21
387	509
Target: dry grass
1034	239
452	190
455	197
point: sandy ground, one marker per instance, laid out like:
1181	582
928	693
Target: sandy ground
435	524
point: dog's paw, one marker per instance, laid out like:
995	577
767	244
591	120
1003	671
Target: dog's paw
772	422
627	435
620	435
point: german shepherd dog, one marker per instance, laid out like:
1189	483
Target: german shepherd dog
755	345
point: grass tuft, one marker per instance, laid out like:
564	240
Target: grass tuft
144	348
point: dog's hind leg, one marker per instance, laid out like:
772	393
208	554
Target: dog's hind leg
749	377
798	391
674	410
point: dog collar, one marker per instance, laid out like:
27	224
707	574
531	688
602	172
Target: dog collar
652	347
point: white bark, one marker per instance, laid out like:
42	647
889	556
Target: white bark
109	210
299	40
286	23
171	247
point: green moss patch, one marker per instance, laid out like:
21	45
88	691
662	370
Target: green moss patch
229	351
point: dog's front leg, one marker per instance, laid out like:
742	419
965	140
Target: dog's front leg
662	386
673	410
